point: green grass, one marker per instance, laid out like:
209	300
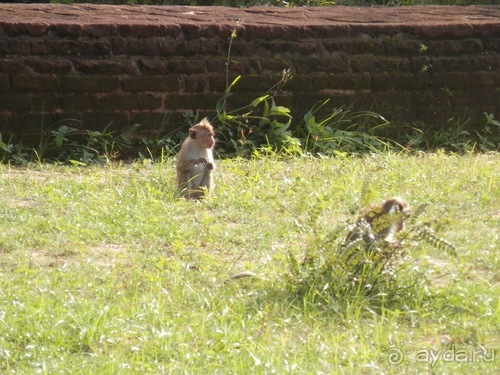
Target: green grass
104	271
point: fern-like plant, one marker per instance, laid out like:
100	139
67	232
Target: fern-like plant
368	268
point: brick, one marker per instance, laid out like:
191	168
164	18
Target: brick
240	66
354	82
89	83
321	31
66	30
196	83
151	120
485	79
268	32
437	31
484	63
188	66
206	30
444	48
425	98
242	49
38	47
31	127
334	63
201	46
12	66
133	46
482	96
243	66
148	30
167	46
129	102
398	46
151	83
217	83
100	120
5	130
388	81
34	83
152	66
420	64
472	46
64	47
300	83
60	103
274	64
394	99
101	48
4	83
451	64
68	47
105	66
312	100
486	30
19	46
452	80
255	83
492	44
379	64
10	102
48	65
99	30
192	101
31	29
461	98
434	116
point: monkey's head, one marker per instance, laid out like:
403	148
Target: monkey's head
203	134
396	205
399	209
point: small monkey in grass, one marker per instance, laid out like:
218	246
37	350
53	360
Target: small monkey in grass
195	161
380	223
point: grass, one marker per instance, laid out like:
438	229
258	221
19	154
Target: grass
103	270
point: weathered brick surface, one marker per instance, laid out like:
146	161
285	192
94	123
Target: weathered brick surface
124	65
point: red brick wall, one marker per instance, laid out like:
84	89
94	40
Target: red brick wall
128	65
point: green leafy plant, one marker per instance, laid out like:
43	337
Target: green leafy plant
343	130
460	135
14	153
67	143
262	123
161	143
488	137
267	126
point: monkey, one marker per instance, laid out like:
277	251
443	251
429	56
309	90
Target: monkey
195	161
380	223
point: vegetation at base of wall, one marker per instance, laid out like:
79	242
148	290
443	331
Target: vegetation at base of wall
264	128
259	128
